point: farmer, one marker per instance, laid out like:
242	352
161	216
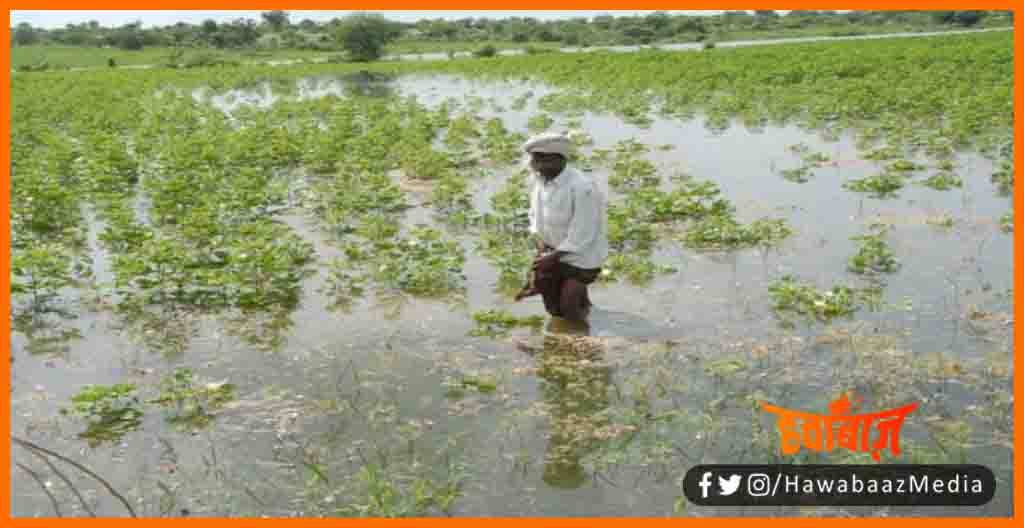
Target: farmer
568	224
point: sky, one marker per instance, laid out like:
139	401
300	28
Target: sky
55	18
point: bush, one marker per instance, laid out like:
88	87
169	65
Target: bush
534	50
128	40
486	51
364	36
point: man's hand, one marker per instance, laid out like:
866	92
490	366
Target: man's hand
539	244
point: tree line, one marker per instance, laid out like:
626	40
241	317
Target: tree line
363	35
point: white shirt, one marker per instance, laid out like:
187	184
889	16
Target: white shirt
568	214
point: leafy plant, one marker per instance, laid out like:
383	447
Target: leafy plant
637	268
539	123
510	206
884	153
632	174
723	232
1003	178
192	403
499	143
874	255
511	255
1006	222
111	410
421	162
790	295
943	181
422	264
41	272
495	323
904	166
797	175
881	185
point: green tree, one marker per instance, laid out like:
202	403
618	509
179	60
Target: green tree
128	38
364	35
25	34
276	19
968	18
209	27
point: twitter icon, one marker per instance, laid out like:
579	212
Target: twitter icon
728	486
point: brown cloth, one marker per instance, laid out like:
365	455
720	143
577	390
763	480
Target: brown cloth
549	284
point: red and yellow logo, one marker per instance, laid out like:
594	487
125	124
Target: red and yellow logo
840	428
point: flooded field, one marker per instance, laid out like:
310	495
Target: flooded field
333	355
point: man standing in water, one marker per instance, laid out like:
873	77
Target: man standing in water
569	225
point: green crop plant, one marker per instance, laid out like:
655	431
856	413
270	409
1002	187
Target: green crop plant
882	185
1003	178
791	295
111	412
41	272
873	256
191	403
424	263
943	181
721	232
496	323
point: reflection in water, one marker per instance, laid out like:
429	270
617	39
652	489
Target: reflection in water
367	84
46	335
576	382
168	332
266	330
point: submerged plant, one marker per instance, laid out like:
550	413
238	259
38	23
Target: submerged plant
797	175
495	323
873	256
723	232
450	195
421	162
390	495
816	158
510	206
905	166
111	411
883	153
1006	222
192	404
512	255
424	263
881	185
40	272
633	173
499	143
790	295
943	181
943	220
1003	178
539	123
637	268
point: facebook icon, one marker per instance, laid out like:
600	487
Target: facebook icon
705	483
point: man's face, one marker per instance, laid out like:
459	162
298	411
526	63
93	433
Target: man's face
547	164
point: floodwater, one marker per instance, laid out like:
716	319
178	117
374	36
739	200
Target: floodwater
355	406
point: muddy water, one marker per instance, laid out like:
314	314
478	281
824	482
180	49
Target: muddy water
369	382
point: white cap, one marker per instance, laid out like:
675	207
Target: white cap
549	142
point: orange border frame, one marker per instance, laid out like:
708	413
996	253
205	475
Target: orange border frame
384	5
